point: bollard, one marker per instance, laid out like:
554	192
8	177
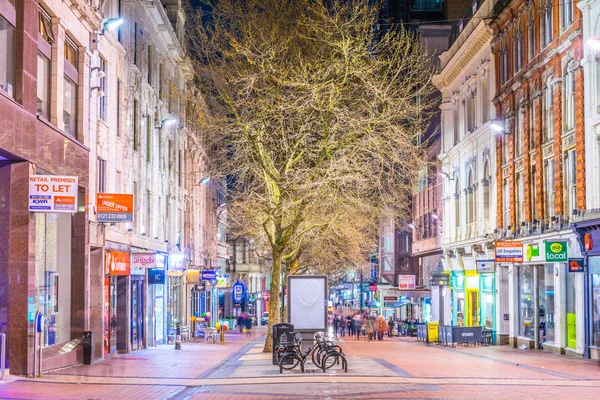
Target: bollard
222	334
178	337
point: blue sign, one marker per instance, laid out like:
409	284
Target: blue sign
238	292
576	265
208	275
213	282
156	276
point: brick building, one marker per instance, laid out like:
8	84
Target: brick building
540	167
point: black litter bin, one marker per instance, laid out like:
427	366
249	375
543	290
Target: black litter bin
87	343
282	334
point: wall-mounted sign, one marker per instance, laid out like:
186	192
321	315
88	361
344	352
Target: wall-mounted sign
117	263
485	266
372	288
406	281
52	193
587	242
509	252
156	276
192	275
112	207
532	250
145	259
576	265
556	251
238	293
207	275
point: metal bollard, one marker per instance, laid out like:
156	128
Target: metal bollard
3	355
178	337
222	334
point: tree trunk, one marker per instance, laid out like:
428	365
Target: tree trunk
274	301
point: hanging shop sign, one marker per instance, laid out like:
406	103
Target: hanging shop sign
406	281
588	243
192	276
556	251
207	275
156	276
112	207
222	281
238	293
509	252
52	193
485	266
117	263
532	250
576	265
372	288
144	259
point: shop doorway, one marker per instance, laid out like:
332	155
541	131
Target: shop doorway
110	314
137	314
472	309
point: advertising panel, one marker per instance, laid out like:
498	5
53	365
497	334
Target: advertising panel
117	263
509	252
156	276
238	293
406	281
112	207
144	259
52	193
207	275
556	251
576	265
485	266
307	295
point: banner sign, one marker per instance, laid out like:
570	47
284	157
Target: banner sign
207	275
144	259
156	276
52	193
485	266
509	252
576	265
238	293
117	263
556	251
406	281
113	207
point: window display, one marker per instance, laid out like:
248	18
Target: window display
546	302
526	309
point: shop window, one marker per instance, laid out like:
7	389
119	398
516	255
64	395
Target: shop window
571	329
526	303
70	106
488	301
7	56
53	275
546	302
595	299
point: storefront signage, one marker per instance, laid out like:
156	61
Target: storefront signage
52	193
372	288
156	276
117	263
485	266
556	251
576	265
406	281
588	243
222	281
112	207
192	276
207	275
145	259
509	252
266	296
238	293
532	250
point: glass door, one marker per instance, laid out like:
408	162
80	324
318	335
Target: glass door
472	307
137	314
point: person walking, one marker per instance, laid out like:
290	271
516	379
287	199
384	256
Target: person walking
357	325
390	323
350	324
371	327
343	325
248	325
380	326
241	322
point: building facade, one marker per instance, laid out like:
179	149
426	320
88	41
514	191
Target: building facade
540	168
466	296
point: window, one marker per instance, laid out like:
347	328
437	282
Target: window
532	123
546	22
594	299
520	199
456	124
457	203
180	168
150	65
470	111
148	213
101	175
149	141
71	52
566	13
506	203
484	98
569	178
7	57
569	100
161	80
136	125
70	106
549	188
596	73
519	133
518	49
549	112
505	148
486	191
533	196
546	300
470	199
504	64
44	65
102	85
531	37
118	110
136	50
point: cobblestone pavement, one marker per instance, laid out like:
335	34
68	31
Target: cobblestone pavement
398	368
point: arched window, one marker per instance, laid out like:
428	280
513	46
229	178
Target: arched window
486	191
457	203
548	111
569	100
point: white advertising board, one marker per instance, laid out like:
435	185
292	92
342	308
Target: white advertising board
307	302
53	193
406	281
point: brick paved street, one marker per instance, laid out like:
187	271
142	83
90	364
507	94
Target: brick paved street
392	369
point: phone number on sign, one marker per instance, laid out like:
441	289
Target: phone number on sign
114	217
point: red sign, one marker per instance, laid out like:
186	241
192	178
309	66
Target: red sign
117	263
266	295
373	288
112	207
587	242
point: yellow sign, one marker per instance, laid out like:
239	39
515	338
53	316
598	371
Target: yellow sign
433	331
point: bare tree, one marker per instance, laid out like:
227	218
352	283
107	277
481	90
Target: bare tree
316	119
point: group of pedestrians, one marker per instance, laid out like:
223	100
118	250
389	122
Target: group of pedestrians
363	324
245	323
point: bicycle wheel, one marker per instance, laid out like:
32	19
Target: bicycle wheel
289	361
315	358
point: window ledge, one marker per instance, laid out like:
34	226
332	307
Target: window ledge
7	96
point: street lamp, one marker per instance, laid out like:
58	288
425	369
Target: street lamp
204	180
594	43
111	24
412	226
445	175
167	122
498	126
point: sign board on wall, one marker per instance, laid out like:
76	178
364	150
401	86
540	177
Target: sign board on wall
576	265
485	266
307	302
53	193
117	263
406	281
156	276
144	259
556	251
112	207
207	275
509	252
238	293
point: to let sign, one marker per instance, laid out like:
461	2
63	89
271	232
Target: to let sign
113	207
509	252
52	193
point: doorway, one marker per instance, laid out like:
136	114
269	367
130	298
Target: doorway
472	310
137	314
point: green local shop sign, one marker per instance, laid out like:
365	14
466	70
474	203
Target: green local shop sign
556	251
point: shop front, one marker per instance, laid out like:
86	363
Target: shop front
116	280
175	292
